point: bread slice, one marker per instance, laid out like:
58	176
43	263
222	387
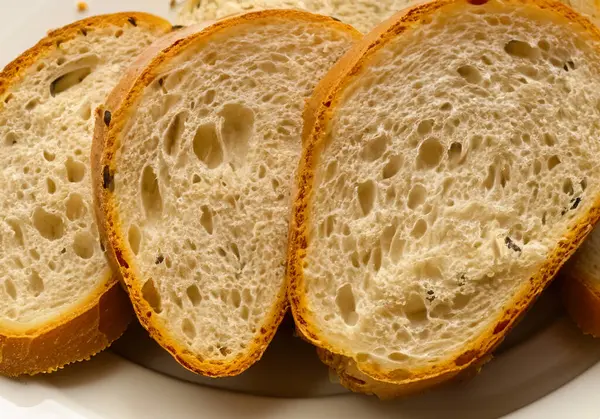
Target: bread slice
193	162
448	172
59	301
364	15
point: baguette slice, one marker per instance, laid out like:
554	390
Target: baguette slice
364	15
193	161
448	172
59	301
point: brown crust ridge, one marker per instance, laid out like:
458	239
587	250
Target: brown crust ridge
581	299
120	104
104	315
317	114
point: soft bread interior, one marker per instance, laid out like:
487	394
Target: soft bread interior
455	162
50	256
203	175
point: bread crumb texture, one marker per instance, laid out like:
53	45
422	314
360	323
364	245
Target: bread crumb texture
50	256
441	189
203	174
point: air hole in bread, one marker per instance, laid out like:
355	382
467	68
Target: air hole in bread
235	299
469	73
83	245
35	255
68	80
193	294
36	284
262	171
17	231
31	105
196	178
174	132
209	97
553	162
346	304
376	258
75	207
375	148
415	309
327	226
206	219
118	33
268	67
134	237
245	313
207	146
446	107
50	186
425	127
50	226
75	170
430	154
387	237
522	49
151	197
455	153
416	196
48	156
419	229
392	166
151	295
10	139
366	193
237	127
549	140
9	287
188	329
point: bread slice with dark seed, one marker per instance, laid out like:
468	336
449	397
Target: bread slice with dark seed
193	161
59	301
449	170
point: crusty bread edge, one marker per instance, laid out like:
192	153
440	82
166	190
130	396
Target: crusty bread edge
93	324
316	117
120	104
581	299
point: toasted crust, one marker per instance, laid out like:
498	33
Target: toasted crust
96	322
120	104
582	300
317	115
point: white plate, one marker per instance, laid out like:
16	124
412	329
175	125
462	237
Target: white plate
546	369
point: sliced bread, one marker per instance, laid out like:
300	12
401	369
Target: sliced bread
448	172
59	301
364	15
193	160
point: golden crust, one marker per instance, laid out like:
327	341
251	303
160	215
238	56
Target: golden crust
582	300
85	331
96	322
106	142
316	117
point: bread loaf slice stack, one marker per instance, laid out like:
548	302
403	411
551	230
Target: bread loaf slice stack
449	170
193	160
364	15
59	301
